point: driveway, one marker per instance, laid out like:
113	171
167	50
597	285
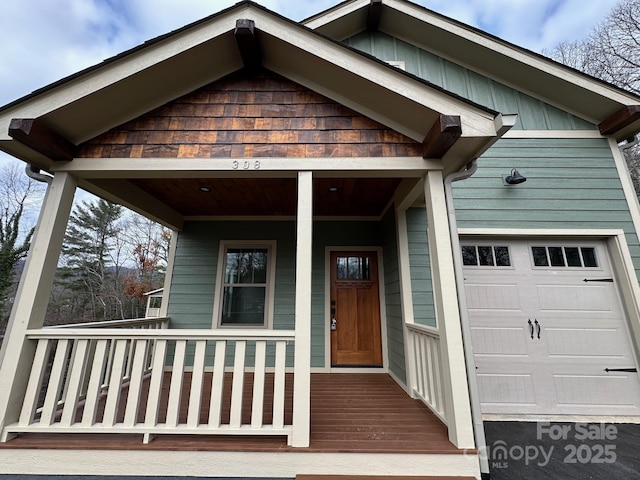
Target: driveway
566	451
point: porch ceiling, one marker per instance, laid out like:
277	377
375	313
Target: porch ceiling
265	196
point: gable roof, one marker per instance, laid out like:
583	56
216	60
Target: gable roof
124	87
615	110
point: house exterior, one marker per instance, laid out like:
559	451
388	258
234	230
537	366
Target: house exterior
339	198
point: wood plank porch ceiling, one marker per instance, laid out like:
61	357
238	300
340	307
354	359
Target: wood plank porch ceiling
357	413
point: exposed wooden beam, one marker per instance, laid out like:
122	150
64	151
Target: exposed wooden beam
443	134
619	120
373	16
37	136
248	43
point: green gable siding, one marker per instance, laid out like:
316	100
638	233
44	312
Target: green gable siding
395	326
421	288
533	114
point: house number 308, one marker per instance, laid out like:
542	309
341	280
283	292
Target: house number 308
246	165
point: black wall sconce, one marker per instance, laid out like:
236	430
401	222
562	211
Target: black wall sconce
515	178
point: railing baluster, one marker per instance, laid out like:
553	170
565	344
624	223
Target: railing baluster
75	375
258	384
115	382
55	381
139	351
175	390
217	384
155	384
235	417
34	386
95	383
197	378
279	384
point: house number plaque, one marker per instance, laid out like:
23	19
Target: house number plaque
246	165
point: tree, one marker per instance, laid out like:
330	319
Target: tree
18	194
611	53
91	261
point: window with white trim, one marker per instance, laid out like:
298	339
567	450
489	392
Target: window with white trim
245	297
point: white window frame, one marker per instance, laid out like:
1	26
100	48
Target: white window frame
270	245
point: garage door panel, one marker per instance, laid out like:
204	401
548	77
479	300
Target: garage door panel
602	390
506	388
588	344
574	298
499	341
493	297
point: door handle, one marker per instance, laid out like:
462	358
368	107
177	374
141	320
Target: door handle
334	325
538	328
530	328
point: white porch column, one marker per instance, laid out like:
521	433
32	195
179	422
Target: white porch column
302	374
33	295
457	407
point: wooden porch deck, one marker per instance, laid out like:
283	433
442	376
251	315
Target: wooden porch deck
362	413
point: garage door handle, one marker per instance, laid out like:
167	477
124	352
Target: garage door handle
530	328
620	369
538	328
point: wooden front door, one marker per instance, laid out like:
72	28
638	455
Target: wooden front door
355	310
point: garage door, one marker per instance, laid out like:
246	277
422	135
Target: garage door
548	330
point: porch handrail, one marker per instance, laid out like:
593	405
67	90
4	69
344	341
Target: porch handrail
427	383
145	322
95	380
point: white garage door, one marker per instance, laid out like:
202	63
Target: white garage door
548	330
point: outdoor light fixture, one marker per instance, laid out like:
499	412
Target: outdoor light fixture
515	178
204	189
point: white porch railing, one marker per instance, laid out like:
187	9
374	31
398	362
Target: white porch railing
150	323
110	380
427	382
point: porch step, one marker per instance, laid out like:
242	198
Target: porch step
377	477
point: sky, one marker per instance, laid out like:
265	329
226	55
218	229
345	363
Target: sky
45	40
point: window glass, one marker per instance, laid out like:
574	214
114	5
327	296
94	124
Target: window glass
485	255
589	257
573	256
469	256
540	256
502	256
244	289
353	268
556	257
342	268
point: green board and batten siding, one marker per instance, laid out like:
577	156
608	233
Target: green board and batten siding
533	114
196	262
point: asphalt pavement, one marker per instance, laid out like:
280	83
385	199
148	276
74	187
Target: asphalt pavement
564	451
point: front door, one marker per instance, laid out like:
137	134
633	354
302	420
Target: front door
355	310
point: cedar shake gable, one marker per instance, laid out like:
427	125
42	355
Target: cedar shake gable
251	115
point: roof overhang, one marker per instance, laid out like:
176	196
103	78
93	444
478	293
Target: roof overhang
531	73
97	99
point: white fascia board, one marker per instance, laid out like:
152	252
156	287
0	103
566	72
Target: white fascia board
113	72
335	13
476	122
509	51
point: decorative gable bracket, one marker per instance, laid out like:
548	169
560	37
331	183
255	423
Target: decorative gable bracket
248	43
37	136
441	137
